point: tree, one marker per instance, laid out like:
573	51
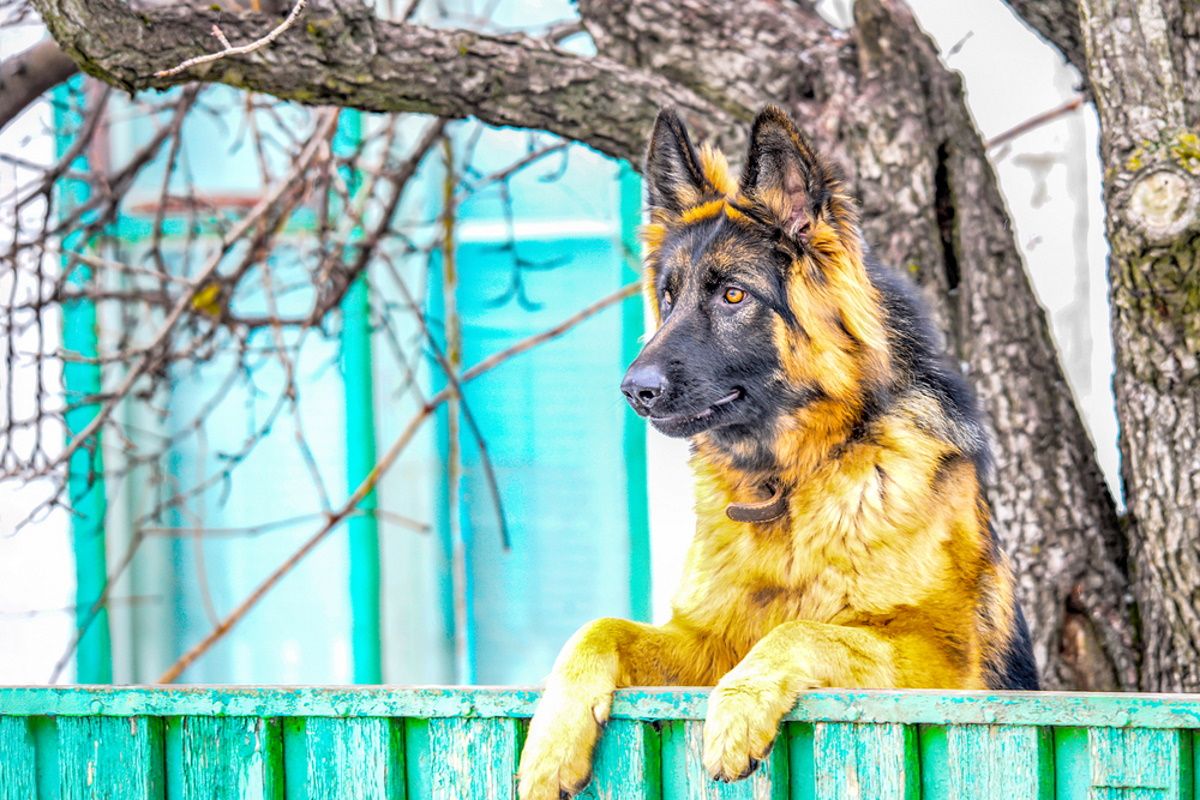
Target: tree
1088	580
1142	62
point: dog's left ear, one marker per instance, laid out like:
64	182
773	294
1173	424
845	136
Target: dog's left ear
784	172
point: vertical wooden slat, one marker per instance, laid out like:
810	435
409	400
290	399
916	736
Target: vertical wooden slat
462	757
685	778
865	762
213	758
1195	765
934	746
1072	769
802	770
344	758
45	737
627	764
110	757
18	759
1129	763
964	762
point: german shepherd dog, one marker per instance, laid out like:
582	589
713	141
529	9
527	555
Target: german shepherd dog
843	538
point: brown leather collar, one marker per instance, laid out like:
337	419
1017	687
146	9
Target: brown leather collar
763	511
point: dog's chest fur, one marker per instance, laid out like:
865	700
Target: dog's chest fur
845	554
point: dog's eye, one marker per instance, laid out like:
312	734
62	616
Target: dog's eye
666	302
734	295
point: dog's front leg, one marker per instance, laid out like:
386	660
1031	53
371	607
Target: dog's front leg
601	657
748	703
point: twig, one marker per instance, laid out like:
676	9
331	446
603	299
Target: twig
240	50
451	373
1035	122
325	127
251	531
564	30
382	466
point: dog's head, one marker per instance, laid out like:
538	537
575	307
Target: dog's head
763	304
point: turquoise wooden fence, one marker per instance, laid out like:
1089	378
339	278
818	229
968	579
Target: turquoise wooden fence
459	744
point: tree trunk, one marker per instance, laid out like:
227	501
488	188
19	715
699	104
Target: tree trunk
1051	503
878	98
1142	62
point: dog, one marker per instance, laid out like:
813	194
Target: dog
843	537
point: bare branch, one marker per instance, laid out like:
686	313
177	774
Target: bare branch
186	299
381	467
240	50
1036	121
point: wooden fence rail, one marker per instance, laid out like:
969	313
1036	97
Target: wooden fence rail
309	743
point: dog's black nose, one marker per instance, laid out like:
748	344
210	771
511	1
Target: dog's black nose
643	385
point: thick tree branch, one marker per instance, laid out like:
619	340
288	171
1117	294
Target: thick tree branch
25	76
348	57
783	52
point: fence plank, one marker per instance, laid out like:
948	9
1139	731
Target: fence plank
462	757
865	761
802	778
215	758
103	758
971	761
628	763
344	759
18	759
685	778
1146	764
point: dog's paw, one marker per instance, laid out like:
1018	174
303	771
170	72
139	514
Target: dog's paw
556	762
740	729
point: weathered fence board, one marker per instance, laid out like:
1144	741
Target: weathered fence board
460	757
109	757
871	761
962	762
684	776
223	758
18	762
628	763
463	743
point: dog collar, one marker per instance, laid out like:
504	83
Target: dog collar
763	511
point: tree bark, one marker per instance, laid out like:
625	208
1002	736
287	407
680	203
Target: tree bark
1143	60
25	76
877	98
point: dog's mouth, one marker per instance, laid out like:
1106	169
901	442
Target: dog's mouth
688	424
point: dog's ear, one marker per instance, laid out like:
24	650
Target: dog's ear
674	177
784	173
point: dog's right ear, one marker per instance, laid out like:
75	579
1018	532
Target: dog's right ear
674	177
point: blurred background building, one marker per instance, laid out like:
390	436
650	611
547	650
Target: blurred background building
598	509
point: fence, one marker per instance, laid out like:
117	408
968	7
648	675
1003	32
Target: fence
460	743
